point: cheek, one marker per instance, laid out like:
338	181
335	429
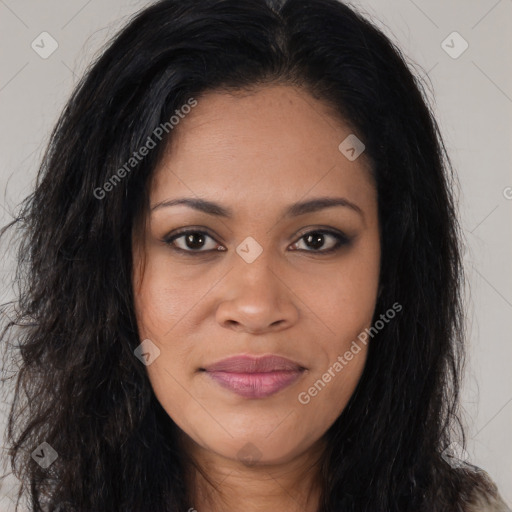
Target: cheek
345	304
163	297
342	296
327	391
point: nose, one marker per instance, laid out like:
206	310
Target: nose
255	299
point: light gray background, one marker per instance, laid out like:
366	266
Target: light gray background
472	96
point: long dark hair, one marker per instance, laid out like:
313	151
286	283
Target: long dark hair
79	387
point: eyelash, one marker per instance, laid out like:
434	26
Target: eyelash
341	240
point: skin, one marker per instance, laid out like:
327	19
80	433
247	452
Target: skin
256	153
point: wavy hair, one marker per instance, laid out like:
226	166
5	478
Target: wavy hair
72	327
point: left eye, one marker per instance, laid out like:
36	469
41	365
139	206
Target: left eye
317	238
194	241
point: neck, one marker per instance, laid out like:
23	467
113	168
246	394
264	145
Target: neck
220	484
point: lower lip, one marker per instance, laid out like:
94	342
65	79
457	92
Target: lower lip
255	385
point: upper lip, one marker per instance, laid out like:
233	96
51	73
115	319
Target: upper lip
253	364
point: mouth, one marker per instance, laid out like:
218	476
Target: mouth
254	377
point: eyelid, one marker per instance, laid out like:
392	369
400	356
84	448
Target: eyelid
169	238
341	239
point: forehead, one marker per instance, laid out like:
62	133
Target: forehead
273	144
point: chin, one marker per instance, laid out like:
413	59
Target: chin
258	448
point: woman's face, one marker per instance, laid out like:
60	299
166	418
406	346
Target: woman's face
258	280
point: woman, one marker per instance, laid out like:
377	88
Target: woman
242	276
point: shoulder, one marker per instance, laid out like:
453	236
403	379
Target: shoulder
485	496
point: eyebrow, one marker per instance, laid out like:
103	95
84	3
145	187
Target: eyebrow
293	210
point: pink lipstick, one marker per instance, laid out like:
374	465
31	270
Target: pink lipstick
254	377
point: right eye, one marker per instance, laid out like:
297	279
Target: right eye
191	241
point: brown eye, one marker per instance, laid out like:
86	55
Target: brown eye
200	242
191	241
315	240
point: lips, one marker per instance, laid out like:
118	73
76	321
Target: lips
254	377
249	364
